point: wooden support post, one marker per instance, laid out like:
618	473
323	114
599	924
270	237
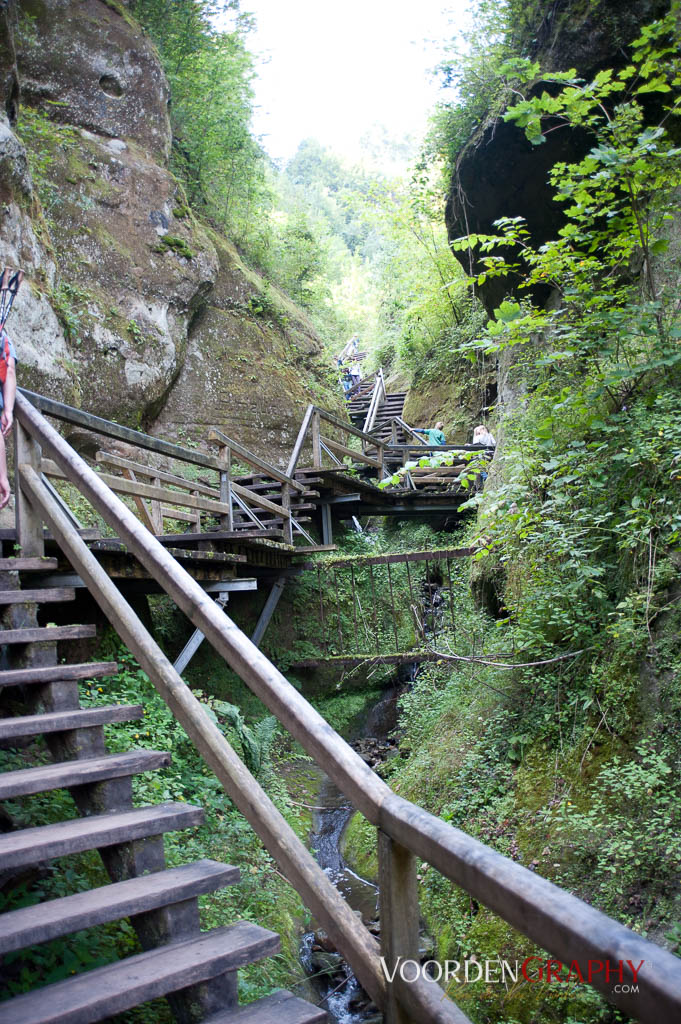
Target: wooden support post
399	913
156	511
394	431
268	610
28	519
225	455
287	522
141	505
316	441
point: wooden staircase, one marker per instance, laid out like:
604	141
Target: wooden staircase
393	405
195	970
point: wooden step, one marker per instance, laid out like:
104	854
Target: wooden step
281	1007
58	673
105	991
28	564
33	845
55	918
63	721
37	596
46	634
66	774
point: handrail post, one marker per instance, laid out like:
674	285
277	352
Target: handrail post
29	520
316	440
399	915
287	521
225	456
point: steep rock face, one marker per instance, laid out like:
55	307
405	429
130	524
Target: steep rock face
90	61
120	274
499	172
249	363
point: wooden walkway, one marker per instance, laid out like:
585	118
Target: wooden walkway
179	960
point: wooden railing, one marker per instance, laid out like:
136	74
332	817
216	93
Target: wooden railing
397	423
377	400
552	918
311	429
160	495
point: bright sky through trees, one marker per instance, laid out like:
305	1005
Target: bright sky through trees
335	70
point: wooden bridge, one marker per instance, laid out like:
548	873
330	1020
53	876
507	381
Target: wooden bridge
196	970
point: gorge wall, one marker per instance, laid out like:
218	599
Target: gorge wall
132	308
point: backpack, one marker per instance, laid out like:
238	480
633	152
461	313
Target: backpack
4	356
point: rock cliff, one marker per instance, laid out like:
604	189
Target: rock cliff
133	308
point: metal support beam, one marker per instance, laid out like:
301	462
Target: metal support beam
194	642
268	610
327	523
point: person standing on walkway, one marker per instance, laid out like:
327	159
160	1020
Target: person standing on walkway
8	390
434	434
355	372
481	435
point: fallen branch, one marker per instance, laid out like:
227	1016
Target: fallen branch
500	664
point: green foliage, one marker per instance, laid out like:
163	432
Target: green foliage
171	243
210	73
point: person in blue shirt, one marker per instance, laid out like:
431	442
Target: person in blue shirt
434	434
8	390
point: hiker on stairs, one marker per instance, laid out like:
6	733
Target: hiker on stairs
434	434
8	390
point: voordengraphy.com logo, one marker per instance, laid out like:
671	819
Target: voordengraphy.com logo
623	974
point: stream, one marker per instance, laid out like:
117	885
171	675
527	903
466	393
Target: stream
340	993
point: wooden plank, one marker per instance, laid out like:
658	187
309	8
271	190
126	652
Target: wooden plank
175	513
43	634
184	554
45	595
312	549
298	865
106	991
55	918
31	845
255	499
27	564
348	428
65	774
146	514
396	558
279	1008
56	673
107	459
342	449
64	721
107	428
252	459
142	490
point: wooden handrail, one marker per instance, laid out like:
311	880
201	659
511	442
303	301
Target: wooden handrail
254	460
554	919
407	429
315	413
377	397
350	936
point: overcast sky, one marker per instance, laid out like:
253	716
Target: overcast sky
331	69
